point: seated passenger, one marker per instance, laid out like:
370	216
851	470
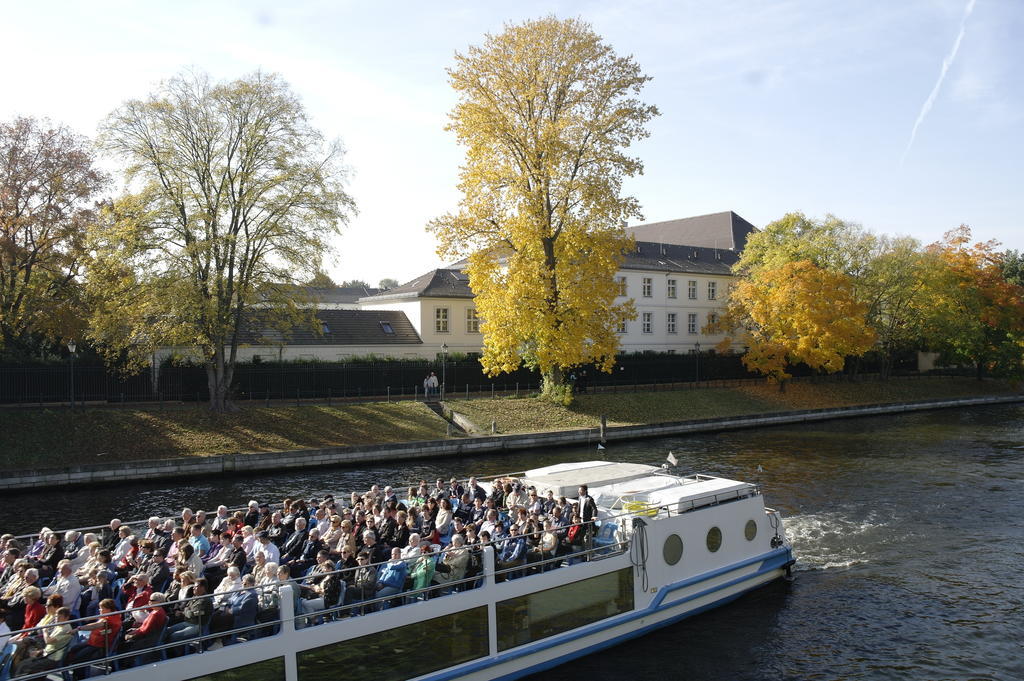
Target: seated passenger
307	555
364	580
178	593
421	572
15	606
231	581
189	559
97	588
391	575
271	553
325	588
52	554
195	614
453	563
378	552
147	634
102	636
56	641
513	551
66	584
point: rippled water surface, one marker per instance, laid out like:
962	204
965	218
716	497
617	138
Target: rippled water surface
907	531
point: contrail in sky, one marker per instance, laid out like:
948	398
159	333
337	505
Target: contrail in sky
946	63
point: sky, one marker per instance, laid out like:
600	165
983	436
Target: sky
905	117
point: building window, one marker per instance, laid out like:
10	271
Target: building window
622	327
387	328
648	285
691	322
712	318
691	290
621	282
647	316
441	319
671	288
472	321
671	322
712	290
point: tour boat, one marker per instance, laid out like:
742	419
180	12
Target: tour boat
664	547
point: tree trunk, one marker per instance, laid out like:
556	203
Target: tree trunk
218	380
555	387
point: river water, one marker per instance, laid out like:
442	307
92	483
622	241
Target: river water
907	530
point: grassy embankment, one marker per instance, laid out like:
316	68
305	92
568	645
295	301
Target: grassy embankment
626	409
58	437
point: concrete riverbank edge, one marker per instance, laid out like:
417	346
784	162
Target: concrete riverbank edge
181	468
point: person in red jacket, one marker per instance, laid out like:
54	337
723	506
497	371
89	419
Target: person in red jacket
102	635
34	610
147	634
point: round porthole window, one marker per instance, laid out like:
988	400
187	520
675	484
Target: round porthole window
750	531
714	539
673	549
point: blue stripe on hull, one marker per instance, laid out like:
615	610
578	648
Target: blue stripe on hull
774	560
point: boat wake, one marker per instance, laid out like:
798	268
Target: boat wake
823	541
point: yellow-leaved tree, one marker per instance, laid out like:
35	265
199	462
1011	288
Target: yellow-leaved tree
546	110
796	312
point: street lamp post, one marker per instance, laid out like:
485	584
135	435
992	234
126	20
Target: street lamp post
697	345
444	367
71	349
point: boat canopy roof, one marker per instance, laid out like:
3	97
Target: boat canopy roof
564	479
612	483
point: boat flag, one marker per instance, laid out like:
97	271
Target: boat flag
672	459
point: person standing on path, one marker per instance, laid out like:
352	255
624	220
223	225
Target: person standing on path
430	385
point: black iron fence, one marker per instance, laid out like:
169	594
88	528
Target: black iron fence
341	381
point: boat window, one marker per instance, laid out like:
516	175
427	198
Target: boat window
403	652
714	539
267	670
750	531
673	549
552	611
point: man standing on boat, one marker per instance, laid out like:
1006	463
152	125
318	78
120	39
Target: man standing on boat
588	512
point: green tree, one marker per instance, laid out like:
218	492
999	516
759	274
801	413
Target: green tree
236	196
1013	267
971	313
387	282
321	280
884	273
546	111
48	181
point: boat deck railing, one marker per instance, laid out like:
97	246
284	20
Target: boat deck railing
284	592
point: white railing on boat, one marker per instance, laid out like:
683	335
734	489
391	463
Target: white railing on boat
112	660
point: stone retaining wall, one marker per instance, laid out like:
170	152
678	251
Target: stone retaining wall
170	469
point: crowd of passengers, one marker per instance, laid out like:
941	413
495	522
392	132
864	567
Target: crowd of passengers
371	546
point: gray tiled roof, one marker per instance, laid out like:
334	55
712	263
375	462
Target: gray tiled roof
329	294
726	231
340	327
673	258
442	283
341	294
